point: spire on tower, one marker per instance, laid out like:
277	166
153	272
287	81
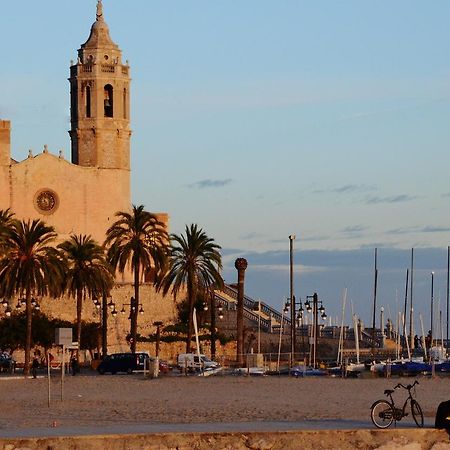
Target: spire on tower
99	10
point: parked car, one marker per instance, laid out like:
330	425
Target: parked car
123	362
164	366
191	361
7	363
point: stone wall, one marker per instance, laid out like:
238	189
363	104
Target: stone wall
156	308
400	439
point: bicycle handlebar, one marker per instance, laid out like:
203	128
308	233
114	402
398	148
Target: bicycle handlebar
409	387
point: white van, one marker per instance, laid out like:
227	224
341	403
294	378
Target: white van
191	361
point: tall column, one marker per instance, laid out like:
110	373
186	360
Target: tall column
292	297
241	265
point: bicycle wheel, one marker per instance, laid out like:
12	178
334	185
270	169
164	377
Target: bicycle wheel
382	414
417	413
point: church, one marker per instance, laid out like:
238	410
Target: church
82	196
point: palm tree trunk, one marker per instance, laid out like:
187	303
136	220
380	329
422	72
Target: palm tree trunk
134	314
26	369
192	295
79	309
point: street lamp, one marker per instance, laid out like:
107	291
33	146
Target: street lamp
105	306
21	302
297	312
102	308
132	306
316	309
7	307
432	301
291	295
158	336
257	307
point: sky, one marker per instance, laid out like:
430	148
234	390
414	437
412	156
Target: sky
260	119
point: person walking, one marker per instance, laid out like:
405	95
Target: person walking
34	366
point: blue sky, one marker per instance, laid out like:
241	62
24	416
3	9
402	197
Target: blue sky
259	119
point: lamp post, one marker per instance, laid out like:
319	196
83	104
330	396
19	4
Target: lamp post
431	307
132	306
8	310
158	325
291	295
213	320
103	308
257	307
316	309
20	302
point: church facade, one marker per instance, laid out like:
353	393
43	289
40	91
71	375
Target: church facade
83	195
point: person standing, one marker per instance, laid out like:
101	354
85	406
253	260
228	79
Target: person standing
34	366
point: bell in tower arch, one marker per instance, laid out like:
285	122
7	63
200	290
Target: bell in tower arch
108	101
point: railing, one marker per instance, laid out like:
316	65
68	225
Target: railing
108	68
251	309
87	67
263	323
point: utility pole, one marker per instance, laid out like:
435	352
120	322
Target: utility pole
292	298
240	264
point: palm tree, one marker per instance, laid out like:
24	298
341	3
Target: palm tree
6	218
88	272
194	263
30	265
137	239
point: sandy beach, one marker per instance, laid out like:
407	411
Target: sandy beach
130	399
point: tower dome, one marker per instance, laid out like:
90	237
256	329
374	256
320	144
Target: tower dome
99	36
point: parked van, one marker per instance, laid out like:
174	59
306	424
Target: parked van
124	362
191	361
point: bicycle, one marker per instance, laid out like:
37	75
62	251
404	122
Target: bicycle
384	412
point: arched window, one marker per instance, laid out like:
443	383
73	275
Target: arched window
88	101
108	101
124	103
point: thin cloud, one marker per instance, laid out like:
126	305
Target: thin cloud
391	199
446	194
416	229
251	235
208	183
347	189
354	229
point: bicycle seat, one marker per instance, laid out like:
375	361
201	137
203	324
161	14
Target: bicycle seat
388	392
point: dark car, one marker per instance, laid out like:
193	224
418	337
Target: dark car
123	362
7	363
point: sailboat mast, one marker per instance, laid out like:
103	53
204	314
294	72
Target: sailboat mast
405	337
411	321
374	301
448	286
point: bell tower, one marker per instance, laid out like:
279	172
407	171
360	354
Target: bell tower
100	102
